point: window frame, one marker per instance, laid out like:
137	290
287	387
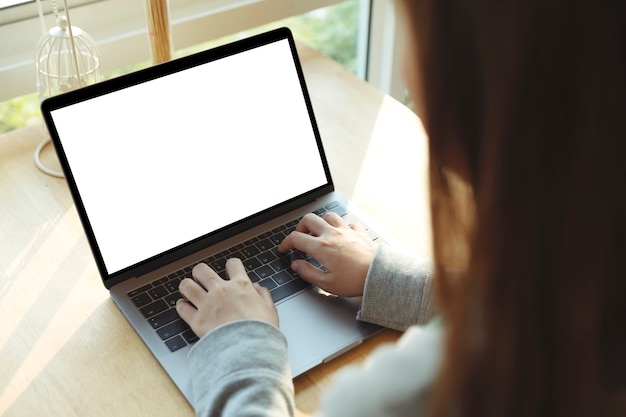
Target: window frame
384	60
120	31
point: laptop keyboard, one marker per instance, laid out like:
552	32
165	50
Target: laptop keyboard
264	264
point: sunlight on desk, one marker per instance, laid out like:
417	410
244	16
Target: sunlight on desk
389	143
43	310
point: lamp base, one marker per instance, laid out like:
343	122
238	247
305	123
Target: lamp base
40	164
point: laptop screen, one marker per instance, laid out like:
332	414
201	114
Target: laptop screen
165	161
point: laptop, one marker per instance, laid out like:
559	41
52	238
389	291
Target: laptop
200	159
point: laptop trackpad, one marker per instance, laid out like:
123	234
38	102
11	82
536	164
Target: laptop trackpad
318	327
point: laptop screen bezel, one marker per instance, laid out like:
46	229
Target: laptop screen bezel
188	248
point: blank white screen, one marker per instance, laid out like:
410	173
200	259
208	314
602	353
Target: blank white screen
167	161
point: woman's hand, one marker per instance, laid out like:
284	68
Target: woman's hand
345	251
214	301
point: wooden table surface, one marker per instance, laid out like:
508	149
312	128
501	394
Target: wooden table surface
65	348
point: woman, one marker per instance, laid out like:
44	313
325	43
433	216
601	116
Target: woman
521	101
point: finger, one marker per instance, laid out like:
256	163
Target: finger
358	227
185	310
299	241
235	271
334	219
264	293
204	275
312	223
191	290
309	272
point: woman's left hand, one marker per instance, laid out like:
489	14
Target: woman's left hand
213	301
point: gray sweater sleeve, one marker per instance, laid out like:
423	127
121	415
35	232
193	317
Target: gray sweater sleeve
397	290
241	369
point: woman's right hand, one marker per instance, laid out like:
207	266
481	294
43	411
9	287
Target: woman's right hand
346	251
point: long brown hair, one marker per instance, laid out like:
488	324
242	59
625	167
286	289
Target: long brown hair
524	104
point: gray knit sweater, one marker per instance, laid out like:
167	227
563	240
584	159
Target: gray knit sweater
241	368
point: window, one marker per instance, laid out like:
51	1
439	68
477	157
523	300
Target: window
12	11
119	28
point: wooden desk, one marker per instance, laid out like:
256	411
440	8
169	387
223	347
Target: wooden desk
66	350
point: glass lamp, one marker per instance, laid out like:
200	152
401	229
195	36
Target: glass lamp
66	58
